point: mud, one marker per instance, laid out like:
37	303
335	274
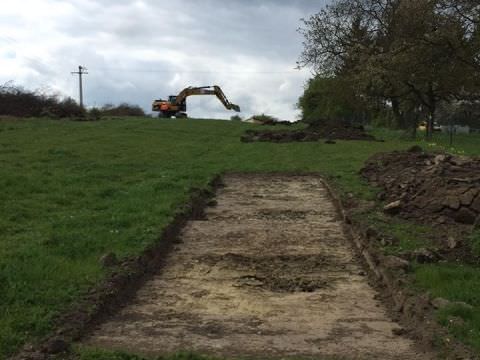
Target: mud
268	272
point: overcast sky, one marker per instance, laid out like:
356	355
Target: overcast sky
140	50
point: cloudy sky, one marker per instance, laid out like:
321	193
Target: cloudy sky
140	50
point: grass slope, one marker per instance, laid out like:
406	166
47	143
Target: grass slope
74	191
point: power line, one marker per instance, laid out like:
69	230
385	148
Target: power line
81	71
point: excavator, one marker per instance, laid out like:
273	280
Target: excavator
176	105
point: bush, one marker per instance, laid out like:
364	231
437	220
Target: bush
94	114
265	119
236	118
18	102
124	109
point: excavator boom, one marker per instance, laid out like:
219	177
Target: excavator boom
177	104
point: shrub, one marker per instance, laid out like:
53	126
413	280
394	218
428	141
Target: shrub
19	102
265	119
124	109
94	114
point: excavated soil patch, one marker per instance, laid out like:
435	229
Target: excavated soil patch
437	189
282	273
269	272
317	133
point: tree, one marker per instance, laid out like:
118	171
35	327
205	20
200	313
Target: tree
330	99
409	55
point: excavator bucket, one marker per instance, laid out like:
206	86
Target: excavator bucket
235	107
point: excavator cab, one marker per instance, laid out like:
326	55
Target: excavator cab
179	107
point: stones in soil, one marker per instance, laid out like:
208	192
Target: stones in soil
425	256
56	346
432	188
441	303
396	263
393	207
465	216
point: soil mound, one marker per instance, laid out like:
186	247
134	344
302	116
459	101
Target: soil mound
312	133
433	188
275	122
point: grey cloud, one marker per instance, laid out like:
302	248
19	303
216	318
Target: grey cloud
137	51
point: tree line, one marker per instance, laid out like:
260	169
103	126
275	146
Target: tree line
403	60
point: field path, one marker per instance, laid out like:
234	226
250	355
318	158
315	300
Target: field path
268	273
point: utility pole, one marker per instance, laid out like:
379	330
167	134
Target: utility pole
81	71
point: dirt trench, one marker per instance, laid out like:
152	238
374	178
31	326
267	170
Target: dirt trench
269	272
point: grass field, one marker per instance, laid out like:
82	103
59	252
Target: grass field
94	354
73	191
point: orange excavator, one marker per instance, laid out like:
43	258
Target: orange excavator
176	105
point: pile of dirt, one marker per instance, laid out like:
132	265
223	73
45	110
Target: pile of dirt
312	133
275	122
437	188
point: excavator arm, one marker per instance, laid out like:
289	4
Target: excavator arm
206	90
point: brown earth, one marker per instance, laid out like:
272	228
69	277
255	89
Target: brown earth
312	133
437	189
269	272
434	187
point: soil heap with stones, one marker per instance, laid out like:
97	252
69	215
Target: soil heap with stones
311	133
439	189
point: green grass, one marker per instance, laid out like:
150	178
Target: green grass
408	236
96	354
463	144
458	283
455	282
475	242
73	191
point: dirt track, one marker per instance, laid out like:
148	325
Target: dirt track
268	273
